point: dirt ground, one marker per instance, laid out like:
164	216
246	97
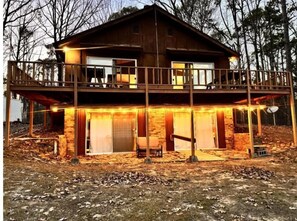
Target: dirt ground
41	186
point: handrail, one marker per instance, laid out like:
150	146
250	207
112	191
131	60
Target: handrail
53	74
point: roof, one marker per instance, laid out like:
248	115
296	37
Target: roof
146	9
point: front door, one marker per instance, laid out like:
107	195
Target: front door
123	132
182	127
100	133
205	129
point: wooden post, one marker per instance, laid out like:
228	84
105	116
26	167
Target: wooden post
147	158
31	118
250	121
8	101
46	109
259	121
193	157
75	160
293	113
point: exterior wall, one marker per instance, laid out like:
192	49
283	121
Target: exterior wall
157	124
69	130
241	141
157	127
229	128
72	57
170	35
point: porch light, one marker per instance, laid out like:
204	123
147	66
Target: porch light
233	59
54	109
65	49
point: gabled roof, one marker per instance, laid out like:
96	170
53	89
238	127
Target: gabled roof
146	9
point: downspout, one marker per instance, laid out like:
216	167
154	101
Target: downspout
156	36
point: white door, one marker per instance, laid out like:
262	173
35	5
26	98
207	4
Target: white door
204	76
182	127
205	130
101	133
201	78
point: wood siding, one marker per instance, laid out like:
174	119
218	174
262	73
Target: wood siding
141	124
81	132
221	129
169	131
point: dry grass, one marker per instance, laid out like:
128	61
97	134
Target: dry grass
37	188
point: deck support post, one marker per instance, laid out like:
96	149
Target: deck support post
259	121
251	150
75	160
45	117
147	158
31	118
8	103
193	158
293	113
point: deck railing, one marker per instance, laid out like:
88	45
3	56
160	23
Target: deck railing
51	74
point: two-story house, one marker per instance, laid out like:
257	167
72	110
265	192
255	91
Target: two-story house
147	74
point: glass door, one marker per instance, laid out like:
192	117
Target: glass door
125	72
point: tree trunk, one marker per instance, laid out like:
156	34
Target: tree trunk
286	36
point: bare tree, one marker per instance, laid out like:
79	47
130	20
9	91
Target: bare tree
198	13
63	18
11	9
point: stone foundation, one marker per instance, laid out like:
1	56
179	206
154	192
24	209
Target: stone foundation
229	128
157	124
241	141
69	129
62	146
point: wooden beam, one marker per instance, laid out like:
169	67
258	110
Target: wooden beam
31	118
250	122
148	158
46	109
293	113
75	159
181	138
259	121
8	102
193	157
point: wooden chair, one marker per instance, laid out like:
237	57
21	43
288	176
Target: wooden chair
155	148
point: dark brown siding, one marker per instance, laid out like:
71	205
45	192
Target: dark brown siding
81	132
179	37
141	124
221	129
169	131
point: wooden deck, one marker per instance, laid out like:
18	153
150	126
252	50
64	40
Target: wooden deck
49	83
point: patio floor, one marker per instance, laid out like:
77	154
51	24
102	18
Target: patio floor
168	157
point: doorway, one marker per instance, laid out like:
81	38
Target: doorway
182	127
205	130
123	132
110	132
202	74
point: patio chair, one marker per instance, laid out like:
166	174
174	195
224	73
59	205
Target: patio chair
156	148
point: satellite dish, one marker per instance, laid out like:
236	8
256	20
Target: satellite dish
272	109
